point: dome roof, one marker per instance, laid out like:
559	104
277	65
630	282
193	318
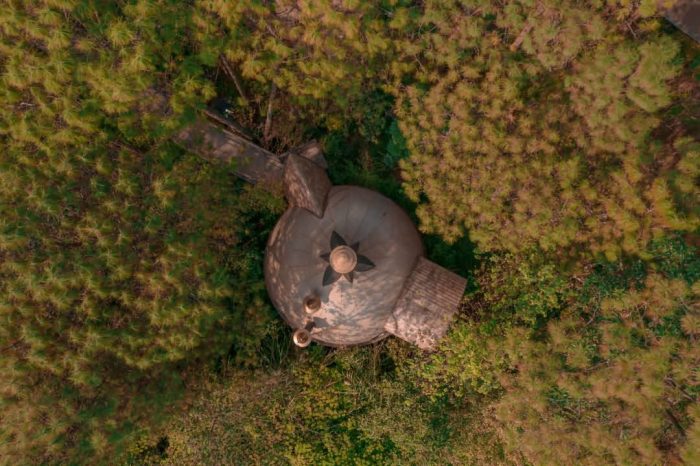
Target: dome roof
355	259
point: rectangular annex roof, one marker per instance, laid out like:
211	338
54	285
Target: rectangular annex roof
428	303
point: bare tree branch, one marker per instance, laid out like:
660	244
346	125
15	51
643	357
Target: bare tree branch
521	37
268	116
526	30
11	345
228	69
228	124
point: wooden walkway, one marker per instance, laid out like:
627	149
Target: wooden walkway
252	163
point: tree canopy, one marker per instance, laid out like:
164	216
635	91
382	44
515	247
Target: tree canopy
549	150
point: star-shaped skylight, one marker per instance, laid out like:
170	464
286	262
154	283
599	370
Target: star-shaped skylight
343	261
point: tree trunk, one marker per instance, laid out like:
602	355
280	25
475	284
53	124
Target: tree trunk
268	116
228	69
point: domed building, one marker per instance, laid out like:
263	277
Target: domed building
344	265
355	259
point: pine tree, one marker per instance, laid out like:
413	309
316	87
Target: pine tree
533	130
114	276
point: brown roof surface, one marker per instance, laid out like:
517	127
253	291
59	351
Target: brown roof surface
312	150
427	305
685	14
353	311
306	184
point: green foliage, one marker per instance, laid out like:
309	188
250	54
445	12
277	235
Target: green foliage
559	136
691	450
531	133
463	368
323	55
675	258
116	265
614	379
510	291
396	147
520	290
345	407
600	368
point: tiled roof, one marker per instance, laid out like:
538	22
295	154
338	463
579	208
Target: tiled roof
685	14
427	304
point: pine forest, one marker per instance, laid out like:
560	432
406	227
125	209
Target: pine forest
548	151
